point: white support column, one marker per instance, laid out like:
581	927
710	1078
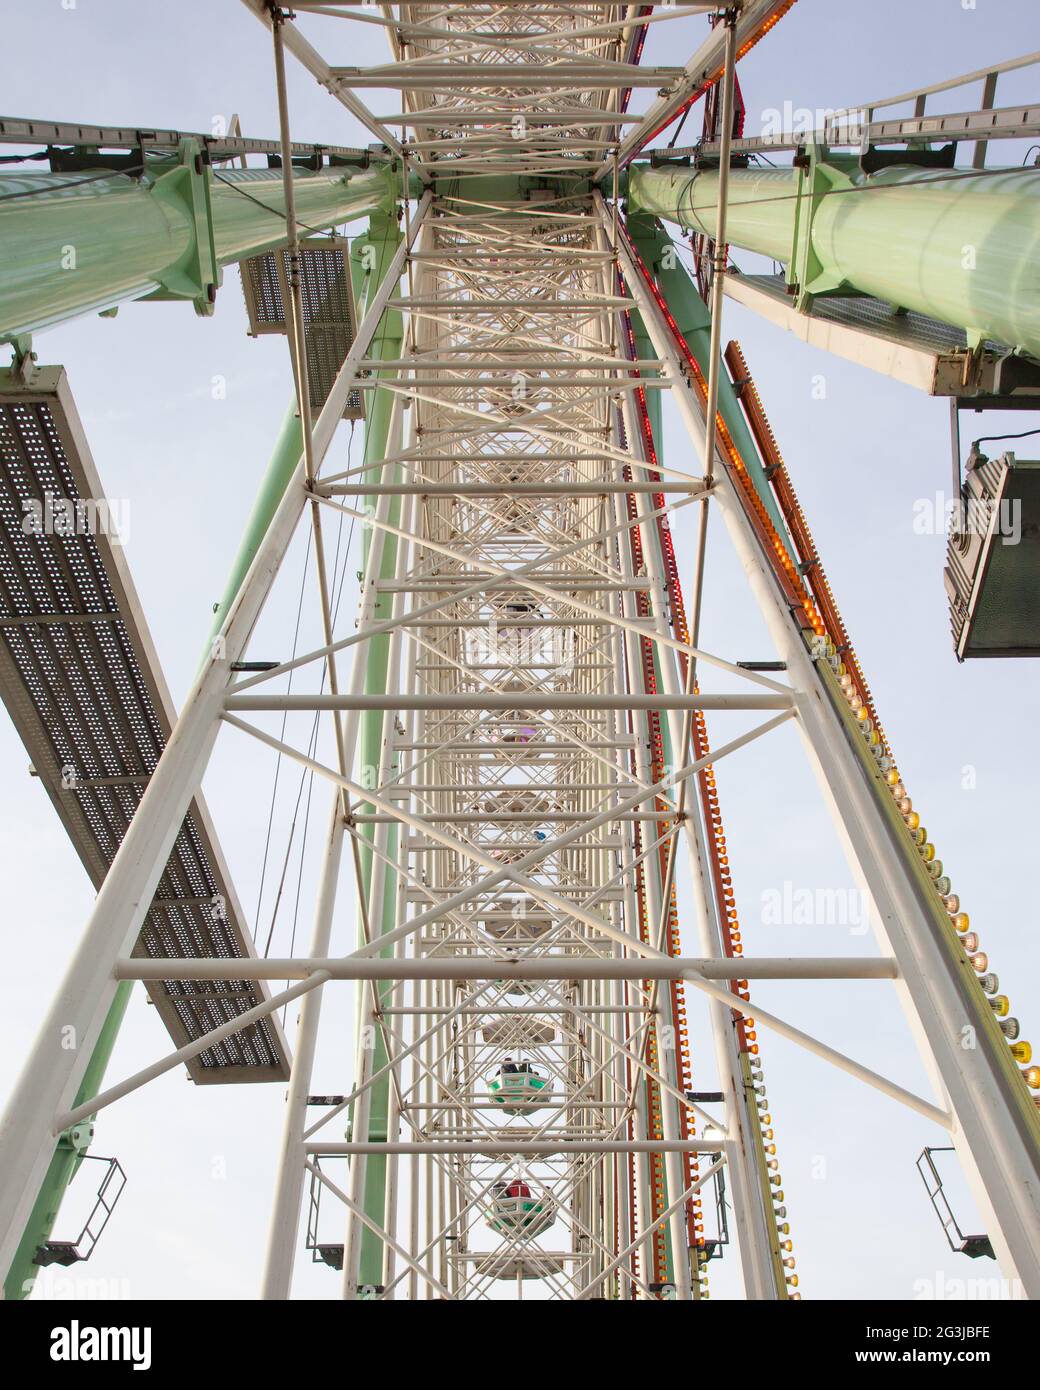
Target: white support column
52	1074
285	1216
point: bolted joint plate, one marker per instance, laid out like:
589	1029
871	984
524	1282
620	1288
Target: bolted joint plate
197	275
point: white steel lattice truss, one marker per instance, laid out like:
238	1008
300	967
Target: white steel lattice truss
515	834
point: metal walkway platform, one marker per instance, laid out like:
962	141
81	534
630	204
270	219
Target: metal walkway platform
329	318
82	683
920	351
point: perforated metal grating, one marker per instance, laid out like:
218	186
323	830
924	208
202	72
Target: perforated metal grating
328	309
82	685
872	316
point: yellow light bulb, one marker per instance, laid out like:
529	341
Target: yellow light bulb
961	921
1031	1076
1022	1052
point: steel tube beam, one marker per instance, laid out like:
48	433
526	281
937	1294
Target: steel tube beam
959	247
124	238
521	1146
530	968
522	700
419	488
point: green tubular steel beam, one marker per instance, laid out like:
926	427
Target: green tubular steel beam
285	457
77	243
68	1155
370	257
691	315
959	247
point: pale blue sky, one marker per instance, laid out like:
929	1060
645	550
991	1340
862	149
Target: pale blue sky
201	1161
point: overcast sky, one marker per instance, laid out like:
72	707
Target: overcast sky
200	1161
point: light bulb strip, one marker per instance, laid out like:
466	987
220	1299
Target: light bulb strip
836	648
675	989
789	569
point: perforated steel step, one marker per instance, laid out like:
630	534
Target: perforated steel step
328	309
81	681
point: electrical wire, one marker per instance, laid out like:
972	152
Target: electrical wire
278	762
275	212
996	438
339	569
